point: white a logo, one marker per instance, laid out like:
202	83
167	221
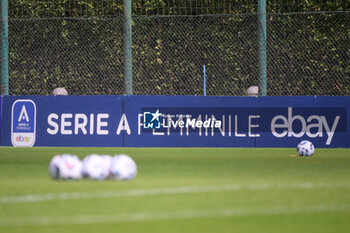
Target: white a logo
23	115
23	123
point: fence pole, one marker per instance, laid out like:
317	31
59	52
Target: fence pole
204	82
4	49
128	47
262	45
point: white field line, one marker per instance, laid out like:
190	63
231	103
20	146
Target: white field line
188	214
33	198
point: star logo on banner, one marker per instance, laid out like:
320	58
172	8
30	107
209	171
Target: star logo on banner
156	115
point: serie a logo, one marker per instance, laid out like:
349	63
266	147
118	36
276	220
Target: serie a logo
23	123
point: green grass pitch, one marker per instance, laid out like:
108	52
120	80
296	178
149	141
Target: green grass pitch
202	190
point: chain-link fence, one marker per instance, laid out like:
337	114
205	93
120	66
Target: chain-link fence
169	54
83	55
308	53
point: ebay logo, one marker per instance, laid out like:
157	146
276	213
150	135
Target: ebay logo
22	139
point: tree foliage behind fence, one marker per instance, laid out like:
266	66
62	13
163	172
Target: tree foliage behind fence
79	45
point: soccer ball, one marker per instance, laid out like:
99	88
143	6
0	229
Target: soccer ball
305	148
123	167
253	91
95	167
60	91
65	166
70	167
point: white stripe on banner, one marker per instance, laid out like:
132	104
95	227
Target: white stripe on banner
33	198
188	214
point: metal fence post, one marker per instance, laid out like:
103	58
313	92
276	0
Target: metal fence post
4	48
262	45
128	47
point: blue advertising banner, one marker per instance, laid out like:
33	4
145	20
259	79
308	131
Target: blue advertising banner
1	98
67	120
175	121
